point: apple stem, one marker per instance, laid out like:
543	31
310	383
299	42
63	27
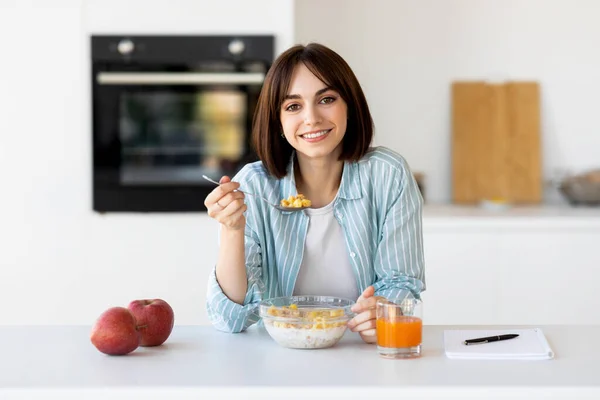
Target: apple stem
141	326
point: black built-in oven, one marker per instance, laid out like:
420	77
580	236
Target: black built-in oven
169	109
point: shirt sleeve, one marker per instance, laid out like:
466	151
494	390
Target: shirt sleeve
399	261
225	314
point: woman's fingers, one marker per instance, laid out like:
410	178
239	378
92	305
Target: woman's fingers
231	208
219	192
360	304
365	322
229	198
231	216
223	207
226	204
365	326
365	305
368	292
221	197
361	318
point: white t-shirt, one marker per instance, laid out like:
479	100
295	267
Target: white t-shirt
325	268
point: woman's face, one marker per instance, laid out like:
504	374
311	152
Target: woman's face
313	116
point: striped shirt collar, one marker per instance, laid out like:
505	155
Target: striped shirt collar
350	179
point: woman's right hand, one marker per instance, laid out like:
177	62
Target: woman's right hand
226	205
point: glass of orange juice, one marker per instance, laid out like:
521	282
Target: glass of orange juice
399	327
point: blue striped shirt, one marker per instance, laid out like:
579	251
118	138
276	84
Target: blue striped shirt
379	207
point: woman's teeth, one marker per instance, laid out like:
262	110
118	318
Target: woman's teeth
316	134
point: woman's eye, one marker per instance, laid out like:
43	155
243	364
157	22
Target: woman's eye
328	100
292	107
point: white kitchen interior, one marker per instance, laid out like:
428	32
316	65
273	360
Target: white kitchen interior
61	263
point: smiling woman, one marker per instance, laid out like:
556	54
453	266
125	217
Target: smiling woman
362	236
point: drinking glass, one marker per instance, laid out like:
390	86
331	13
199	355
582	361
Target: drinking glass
399	327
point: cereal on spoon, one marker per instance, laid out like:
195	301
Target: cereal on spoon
296	201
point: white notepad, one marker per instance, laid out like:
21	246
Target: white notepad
530	345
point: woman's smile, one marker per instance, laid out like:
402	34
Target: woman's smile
316	136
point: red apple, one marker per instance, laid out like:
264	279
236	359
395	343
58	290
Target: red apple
155	320
115	332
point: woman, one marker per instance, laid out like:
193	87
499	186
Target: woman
361	239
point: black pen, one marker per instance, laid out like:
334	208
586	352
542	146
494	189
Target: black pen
490	339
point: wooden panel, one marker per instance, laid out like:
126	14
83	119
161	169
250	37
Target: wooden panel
525	160
496	176
470	116
495	142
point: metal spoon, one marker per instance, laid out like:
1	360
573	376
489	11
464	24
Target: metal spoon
277	206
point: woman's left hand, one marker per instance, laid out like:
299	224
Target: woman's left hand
364	321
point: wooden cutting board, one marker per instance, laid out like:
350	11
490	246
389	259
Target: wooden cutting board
496	145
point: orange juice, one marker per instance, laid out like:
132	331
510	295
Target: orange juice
399	332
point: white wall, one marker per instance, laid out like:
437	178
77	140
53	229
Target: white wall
192	17
407	52
59	261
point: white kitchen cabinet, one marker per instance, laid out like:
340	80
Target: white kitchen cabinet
523	266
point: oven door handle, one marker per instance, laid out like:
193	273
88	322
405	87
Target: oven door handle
179	78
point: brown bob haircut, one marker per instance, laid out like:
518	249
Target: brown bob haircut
275	151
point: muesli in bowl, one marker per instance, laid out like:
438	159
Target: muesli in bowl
306	322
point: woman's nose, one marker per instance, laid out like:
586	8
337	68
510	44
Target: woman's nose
311	116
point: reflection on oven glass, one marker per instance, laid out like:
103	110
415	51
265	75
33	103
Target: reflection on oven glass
175	138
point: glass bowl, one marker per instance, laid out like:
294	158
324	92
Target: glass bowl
306	322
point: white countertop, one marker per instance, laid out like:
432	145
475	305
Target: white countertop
540	211
60	362
520	217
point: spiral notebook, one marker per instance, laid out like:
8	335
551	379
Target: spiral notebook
530	345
